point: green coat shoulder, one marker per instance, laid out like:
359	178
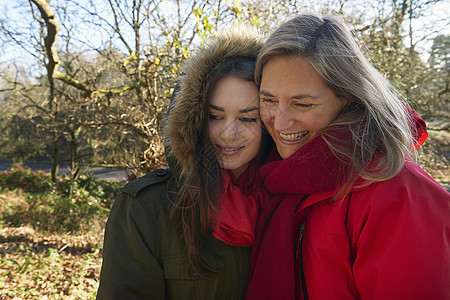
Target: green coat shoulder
133	188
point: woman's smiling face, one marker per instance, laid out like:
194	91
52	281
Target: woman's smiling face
295	102
234	123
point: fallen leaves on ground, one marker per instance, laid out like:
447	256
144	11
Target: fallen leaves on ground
48	266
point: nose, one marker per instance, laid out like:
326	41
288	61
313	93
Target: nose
282	118
230	131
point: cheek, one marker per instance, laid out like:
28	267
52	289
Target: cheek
253	133
212	130
327	117
266	115
317	123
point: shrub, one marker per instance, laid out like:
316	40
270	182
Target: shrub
67	206
20	177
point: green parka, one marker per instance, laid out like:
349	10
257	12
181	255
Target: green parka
142	258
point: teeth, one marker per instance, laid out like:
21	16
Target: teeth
293	136
230	149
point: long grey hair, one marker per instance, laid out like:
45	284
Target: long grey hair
377	117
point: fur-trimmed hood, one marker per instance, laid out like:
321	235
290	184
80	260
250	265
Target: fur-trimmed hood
188	109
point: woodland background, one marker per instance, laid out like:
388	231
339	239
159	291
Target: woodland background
88	83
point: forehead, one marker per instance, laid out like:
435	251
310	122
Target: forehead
290	74
234	93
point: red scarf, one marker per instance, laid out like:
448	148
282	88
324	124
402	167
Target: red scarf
312	169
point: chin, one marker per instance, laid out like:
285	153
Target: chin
284	156
286	153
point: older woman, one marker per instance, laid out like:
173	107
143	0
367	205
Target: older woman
353	217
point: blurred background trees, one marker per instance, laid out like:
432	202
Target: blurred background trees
89	82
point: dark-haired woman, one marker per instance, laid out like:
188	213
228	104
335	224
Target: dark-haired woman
158	238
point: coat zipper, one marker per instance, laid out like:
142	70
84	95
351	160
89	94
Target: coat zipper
300	253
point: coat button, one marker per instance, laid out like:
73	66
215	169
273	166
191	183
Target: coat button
194	273
161	172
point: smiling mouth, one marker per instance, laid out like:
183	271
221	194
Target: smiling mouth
293	137
229	150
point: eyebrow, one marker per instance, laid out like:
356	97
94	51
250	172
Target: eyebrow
299	96
264	93
246	110
217	107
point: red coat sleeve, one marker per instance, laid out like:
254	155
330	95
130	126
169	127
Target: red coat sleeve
238	213
400	235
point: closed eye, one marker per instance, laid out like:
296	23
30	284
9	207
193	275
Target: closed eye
266	100
247	119
303	105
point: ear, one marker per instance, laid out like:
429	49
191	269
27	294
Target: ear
348	100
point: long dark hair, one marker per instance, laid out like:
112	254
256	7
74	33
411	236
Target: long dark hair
193	214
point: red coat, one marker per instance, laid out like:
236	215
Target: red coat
388	240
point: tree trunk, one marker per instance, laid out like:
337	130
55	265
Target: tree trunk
52	25
55	157
75	169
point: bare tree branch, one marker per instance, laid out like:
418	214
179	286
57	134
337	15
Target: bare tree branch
52	25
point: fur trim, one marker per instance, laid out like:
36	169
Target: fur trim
188	111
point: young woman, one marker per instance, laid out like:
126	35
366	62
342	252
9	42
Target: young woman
353	216
158	238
